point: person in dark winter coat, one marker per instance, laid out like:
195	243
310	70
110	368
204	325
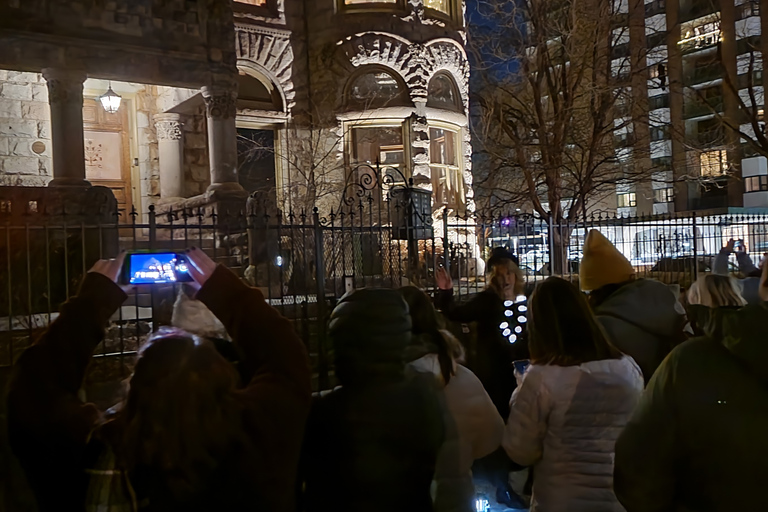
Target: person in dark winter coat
500	316
372	443
187	437
643	318
697	440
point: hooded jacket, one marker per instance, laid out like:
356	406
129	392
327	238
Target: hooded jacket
643	319
473	430
372	444
697	441
564	420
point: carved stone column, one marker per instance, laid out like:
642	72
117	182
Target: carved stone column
221	110
170	149
65	96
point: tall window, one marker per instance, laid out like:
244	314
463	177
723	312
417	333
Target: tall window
447	181
376	88
714	163
382	144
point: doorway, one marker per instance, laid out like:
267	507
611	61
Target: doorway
107	153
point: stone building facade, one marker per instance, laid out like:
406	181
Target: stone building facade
322	87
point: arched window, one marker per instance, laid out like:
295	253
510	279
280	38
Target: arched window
376	88
444	94
254	94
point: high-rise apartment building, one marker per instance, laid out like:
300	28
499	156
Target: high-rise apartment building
697	67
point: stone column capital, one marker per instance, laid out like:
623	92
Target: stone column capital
220	101
169	126
64	85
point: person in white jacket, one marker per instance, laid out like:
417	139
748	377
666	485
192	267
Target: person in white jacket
474	427
571	405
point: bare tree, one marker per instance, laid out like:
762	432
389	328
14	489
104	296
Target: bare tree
557	133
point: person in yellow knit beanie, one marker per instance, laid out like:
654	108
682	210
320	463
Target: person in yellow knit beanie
602	264
642	317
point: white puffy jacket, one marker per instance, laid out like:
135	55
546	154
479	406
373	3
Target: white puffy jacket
473	430
564	421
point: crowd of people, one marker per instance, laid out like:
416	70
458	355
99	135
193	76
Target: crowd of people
616	396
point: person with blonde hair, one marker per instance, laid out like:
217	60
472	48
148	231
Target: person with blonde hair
715	291
499	313
708	297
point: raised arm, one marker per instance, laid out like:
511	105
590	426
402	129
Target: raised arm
272	352
720	266
470	311
48	375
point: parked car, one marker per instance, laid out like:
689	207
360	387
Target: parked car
686	264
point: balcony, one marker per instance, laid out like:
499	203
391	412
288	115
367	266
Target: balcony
713	197
710	137
704	74
703	108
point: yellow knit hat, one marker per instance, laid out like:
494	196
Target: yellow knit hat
602	263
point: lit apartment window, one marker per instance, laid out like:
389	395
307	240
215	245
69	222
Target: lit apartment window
664	195
443	6
701	36
714	163
447	181
628	200
370	4
756	184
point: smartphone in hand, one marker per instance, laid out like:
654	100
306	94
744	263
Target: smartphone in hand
522	365
155	268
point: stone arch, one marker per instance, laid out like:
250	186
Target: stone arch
446	55
415	63
268	54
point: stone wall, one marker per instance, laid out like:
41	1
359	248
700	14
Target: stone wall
25	138
170	42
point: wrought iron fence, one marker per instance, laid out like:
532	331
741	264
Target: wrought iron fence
305	261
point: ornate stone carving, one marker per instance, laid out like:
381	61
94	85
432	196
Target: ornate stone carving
268	50
220	102
416	63
169	129
64	85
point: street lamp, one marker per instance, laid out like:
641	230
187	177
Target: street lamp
110	100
